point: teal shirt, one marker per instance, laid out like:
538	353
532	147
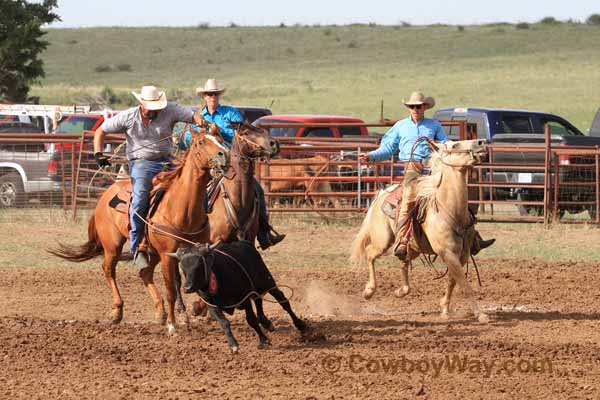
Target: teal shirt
223	117
401	137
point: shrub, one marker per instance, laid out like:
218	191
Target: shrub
124	67
549	21
522	25
282	25
203	25
352	45
103	68
233	25
372	24
593	19
108	96
405	24
460	28
72	41
289	51
126	99
327	32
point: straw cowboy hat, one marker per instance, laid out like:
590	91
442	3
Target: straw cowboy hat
211	86
151	98
417	98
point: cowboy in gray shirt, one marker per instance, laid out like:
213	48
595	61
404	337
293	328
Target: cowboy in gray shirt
148	128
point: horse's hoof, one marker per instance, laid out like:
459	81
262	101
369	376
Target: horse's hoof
235	349
171	329
117	315
445	316
483	318
368	293
401	292
161	318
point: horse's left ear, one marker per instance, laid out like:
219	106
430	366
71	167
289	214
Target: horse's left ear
215	131
195	130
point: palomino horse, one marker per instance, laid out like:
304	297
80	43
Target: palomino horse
447	229
180	215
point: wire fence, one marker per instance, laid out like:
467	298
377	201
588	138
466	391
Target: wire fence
319	176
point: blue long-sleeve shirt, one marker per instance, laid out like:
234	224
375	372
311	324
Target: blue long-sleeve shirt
223	117
401	137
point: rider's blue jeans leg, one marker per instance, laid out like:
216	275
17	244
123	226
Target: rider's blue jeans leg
262	204
142	172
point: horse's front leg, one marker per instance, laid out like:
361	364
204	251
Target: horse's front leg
168	268
455	270
405	289
445	301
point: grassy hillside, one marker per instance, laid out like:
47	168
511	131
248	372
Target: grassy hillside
342	70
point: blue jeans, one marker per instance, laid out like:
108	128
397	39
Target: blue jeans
142	172
262	204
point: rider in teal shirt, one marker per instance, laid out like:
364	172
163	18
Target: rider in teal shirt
223	116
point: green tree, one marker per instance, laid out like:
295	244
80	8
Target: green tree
21	44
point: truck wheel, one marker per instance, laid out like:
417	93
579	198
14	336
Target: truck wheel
11	191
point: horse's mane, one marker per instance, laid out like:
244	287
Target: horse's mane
168	177
428	185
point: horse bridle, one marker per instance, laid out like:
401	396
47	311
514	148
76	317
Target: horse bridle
255	146
216	163
443	152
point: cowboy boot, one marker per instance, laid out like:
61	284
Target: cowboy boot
267	236
402	237
479	243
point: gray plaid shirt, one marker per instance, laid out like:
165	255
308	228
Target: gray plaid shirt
150	142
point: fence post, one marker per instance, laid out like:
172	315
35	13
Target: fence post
358	194
76	180
597	205
547	156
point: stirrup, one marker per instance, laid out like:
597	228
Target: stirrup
140	259
401	251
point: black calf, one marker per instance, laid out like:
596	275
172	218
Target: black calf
230	276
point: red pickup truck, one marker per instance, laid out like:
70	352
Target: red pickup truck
317	131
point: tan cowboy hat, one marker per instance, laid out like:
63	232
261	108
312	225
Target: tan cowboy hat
211	86
151	98
417	98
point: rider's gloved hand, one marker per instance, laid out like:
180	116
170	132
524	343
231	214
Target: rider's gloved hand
102	160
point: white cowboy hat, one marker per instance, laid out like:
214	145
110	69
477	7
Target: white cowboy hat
417	98
211	86
151	98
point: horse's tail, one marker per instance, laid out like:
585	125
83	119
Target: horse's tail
92	248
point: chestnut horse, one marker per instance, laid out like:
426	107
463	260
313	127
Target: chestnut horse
181	213
446	231
235	212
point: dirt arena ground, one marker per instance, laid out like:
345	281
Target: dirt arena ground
542	342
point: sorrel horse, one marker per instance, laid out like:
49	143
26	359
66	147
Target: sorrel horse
181	213
447	229
235	212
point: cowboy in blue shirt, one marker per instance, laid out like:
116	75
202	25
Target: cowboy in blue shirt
401	139
223	116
